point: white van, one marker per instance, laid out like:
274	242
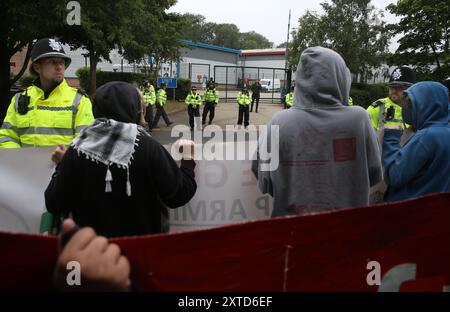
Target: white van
269	85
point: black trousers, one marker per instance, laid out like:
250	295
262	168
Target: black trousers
243	113
160	112
255	98
193	112
149	116
211	108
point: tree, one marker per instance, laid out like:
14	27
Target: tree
130	26
162	43
282	45
195	28
253	40
226	35
310	33
353	28
425	26
19	29
357	32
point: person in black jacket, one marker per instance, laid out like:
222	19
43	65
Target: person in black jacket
256	94
115	177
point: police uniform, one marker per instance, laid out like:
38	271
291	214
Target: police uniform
289	99
149	95
193	101
36	119
211	99
161	99
244	100
384	112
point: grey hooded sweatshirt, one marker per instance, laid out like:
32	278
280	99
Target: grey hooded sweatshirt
328	151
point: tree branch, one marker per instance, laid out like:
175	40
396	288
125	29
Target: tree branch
25	63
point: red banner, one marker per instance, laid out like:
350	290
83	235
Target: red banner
407	242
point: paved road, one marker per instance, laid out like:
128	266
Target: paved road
226	114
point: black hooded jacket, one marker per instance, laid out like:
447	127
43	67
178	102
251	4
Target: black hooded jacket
78	185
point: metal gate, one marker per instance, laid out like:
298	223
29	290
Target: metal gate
231	79
199	73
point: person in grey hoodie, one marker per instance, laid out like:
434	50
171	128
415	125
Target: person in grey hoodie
328	151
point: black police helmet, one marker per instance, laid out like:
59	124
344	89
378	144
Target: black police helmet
47	47
402	76
446	83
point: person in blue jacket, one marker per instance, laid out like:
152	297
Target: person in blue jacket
422	165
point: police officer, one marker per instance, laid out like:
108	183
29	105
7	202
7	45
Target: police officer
161	100
387	112
211	99
49	112
193	101
290	97
244	100
149	95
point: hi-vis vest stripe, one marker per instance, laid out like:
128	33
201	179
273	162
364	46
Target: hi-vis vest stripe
41	130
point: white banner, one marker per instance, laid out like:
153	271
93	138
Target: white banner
24	176
226	193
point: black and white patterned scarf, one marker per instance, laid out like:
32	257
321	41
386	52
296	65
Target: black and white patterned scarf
109	142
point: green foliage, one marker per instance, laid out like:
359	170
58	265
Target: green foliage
365	94
425	29
134	27
184	85
253	40
353	28
196	29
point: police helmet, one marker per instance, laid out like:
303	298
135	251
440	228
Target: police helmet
47	47
402	76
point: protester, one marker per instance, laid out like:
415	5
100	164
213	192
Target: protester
422	165
115	177
328	152
102	266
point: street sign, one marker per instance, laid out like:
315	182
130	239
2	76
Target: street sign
171	83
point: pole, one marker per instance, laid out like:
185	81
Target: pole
226	85
287	51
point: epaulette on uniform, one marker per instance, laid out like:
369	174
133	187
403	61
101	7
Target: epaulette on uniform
377	103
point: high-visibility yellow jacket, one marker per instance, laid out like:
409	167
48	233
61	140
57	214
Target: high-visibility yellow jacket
290	99
211	96
161	97
244	99
385	105
193	99
49	121
149	96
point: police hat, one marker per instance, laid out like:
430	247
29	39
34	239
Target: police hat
446	83
402	76
194	88
47	47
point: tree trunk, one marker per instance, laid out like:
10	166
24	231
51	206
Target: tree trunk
5	83
436	56
25	63
92	74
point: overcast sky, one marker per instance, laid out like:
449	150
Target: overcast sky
267	17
